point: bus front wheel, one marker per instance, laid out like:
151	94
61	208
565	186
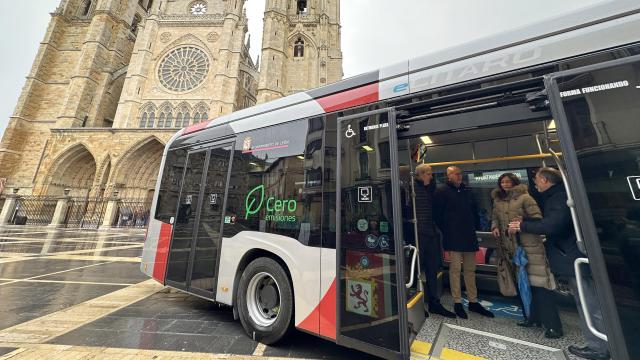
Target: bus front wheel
265	301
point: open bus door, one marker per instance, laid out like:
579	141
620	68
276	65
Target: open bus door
597	110
380	306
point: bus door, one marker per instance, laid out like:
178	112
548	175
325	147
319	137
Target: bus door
195	244
379	305
597	109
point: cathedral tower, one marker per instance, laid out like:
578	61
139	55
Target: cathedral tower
75	80
300	47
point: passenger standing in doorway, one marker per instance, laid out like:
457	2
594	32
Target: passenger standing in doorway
511	200
457	218
562	250
428	242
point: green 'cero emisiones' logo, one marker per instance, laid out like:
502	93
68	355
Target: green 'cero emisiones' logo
276	208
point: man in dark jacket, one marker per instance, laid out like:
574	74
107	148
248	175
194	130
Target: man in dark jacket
457	218
562	250
428	242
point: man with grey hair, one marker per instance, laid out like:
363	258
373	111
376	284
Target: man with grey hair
562	250
428	242
457	217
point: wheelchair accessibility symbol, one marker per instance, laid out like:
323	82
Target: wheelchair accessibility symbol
349	133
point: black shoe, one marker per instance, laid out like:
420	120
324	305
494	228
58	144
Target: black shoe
440	310
477	308
528	323
459	310
587	353
553	334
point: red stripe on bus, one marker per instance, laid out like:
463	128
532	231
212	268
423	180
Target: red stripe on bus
350	98
162	252
196	127
328	313
322	320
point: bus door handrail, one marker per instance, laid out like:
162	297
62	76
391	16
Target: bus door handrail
583	303
413	264
570	203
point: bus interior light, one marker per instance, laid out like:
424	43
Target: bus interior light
426	140
367	148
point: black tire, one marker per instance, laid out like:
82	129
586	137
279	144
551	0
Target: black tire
272	333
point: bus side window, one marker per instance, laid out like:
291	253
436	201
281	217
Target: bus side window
170	185
276	182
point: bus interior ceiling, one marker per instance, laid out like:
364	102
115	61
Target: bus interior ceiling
512	138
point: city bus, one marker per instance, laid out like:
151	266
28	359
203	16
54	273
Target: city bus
299	213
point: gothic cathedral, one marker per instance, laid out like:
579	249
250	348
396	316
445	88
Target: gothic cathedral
113	80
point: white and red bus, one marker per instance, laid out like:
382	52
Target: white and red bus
299	212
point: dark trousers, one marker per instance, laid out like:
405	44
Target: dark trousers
430	263
544	308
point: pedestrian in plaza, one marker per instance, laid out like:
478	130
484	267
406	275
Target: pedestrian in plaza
457	218
428	241
562	250
511	200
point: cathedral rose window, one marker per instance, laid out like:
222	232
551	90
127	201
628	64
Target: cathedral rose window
183	69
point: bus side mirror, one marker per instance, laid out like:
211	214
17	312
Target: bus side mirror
171	220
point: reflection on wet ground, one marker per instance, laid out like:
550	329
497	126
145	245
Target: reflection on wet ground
46	274
82	292
175	321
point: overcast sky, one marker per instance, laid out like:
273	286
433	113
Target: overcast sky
374	32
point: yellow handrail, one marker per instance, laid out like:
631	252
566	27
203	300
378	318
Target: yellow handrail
494	159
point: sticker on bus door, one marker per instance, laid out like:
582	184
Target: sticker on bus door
634	184
359	294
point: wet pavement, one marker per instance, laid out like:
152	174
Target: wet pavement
81	294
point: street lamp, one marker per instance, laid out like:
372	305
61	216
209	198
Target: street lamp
67	191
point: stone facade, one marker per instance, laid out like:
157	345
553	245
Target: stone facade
300	47
113	80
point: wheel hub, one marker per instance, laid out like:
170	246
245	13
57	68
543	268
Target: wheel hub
263	299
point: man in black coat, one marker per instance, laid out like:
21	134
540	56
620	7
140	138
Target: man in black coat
457	218
428	242
562	250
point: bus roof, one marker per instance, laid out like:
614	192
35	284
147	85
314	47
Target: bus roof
604	25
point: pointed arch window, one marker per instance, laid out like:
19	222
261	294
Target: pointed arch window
165	118
298	48
147	115
200	113
161	119
143	119
151	120
169	120
85	7
302	7
183	116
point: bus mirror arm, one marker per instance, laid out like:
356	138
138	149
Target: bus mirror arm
414	258
583	304
570	203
